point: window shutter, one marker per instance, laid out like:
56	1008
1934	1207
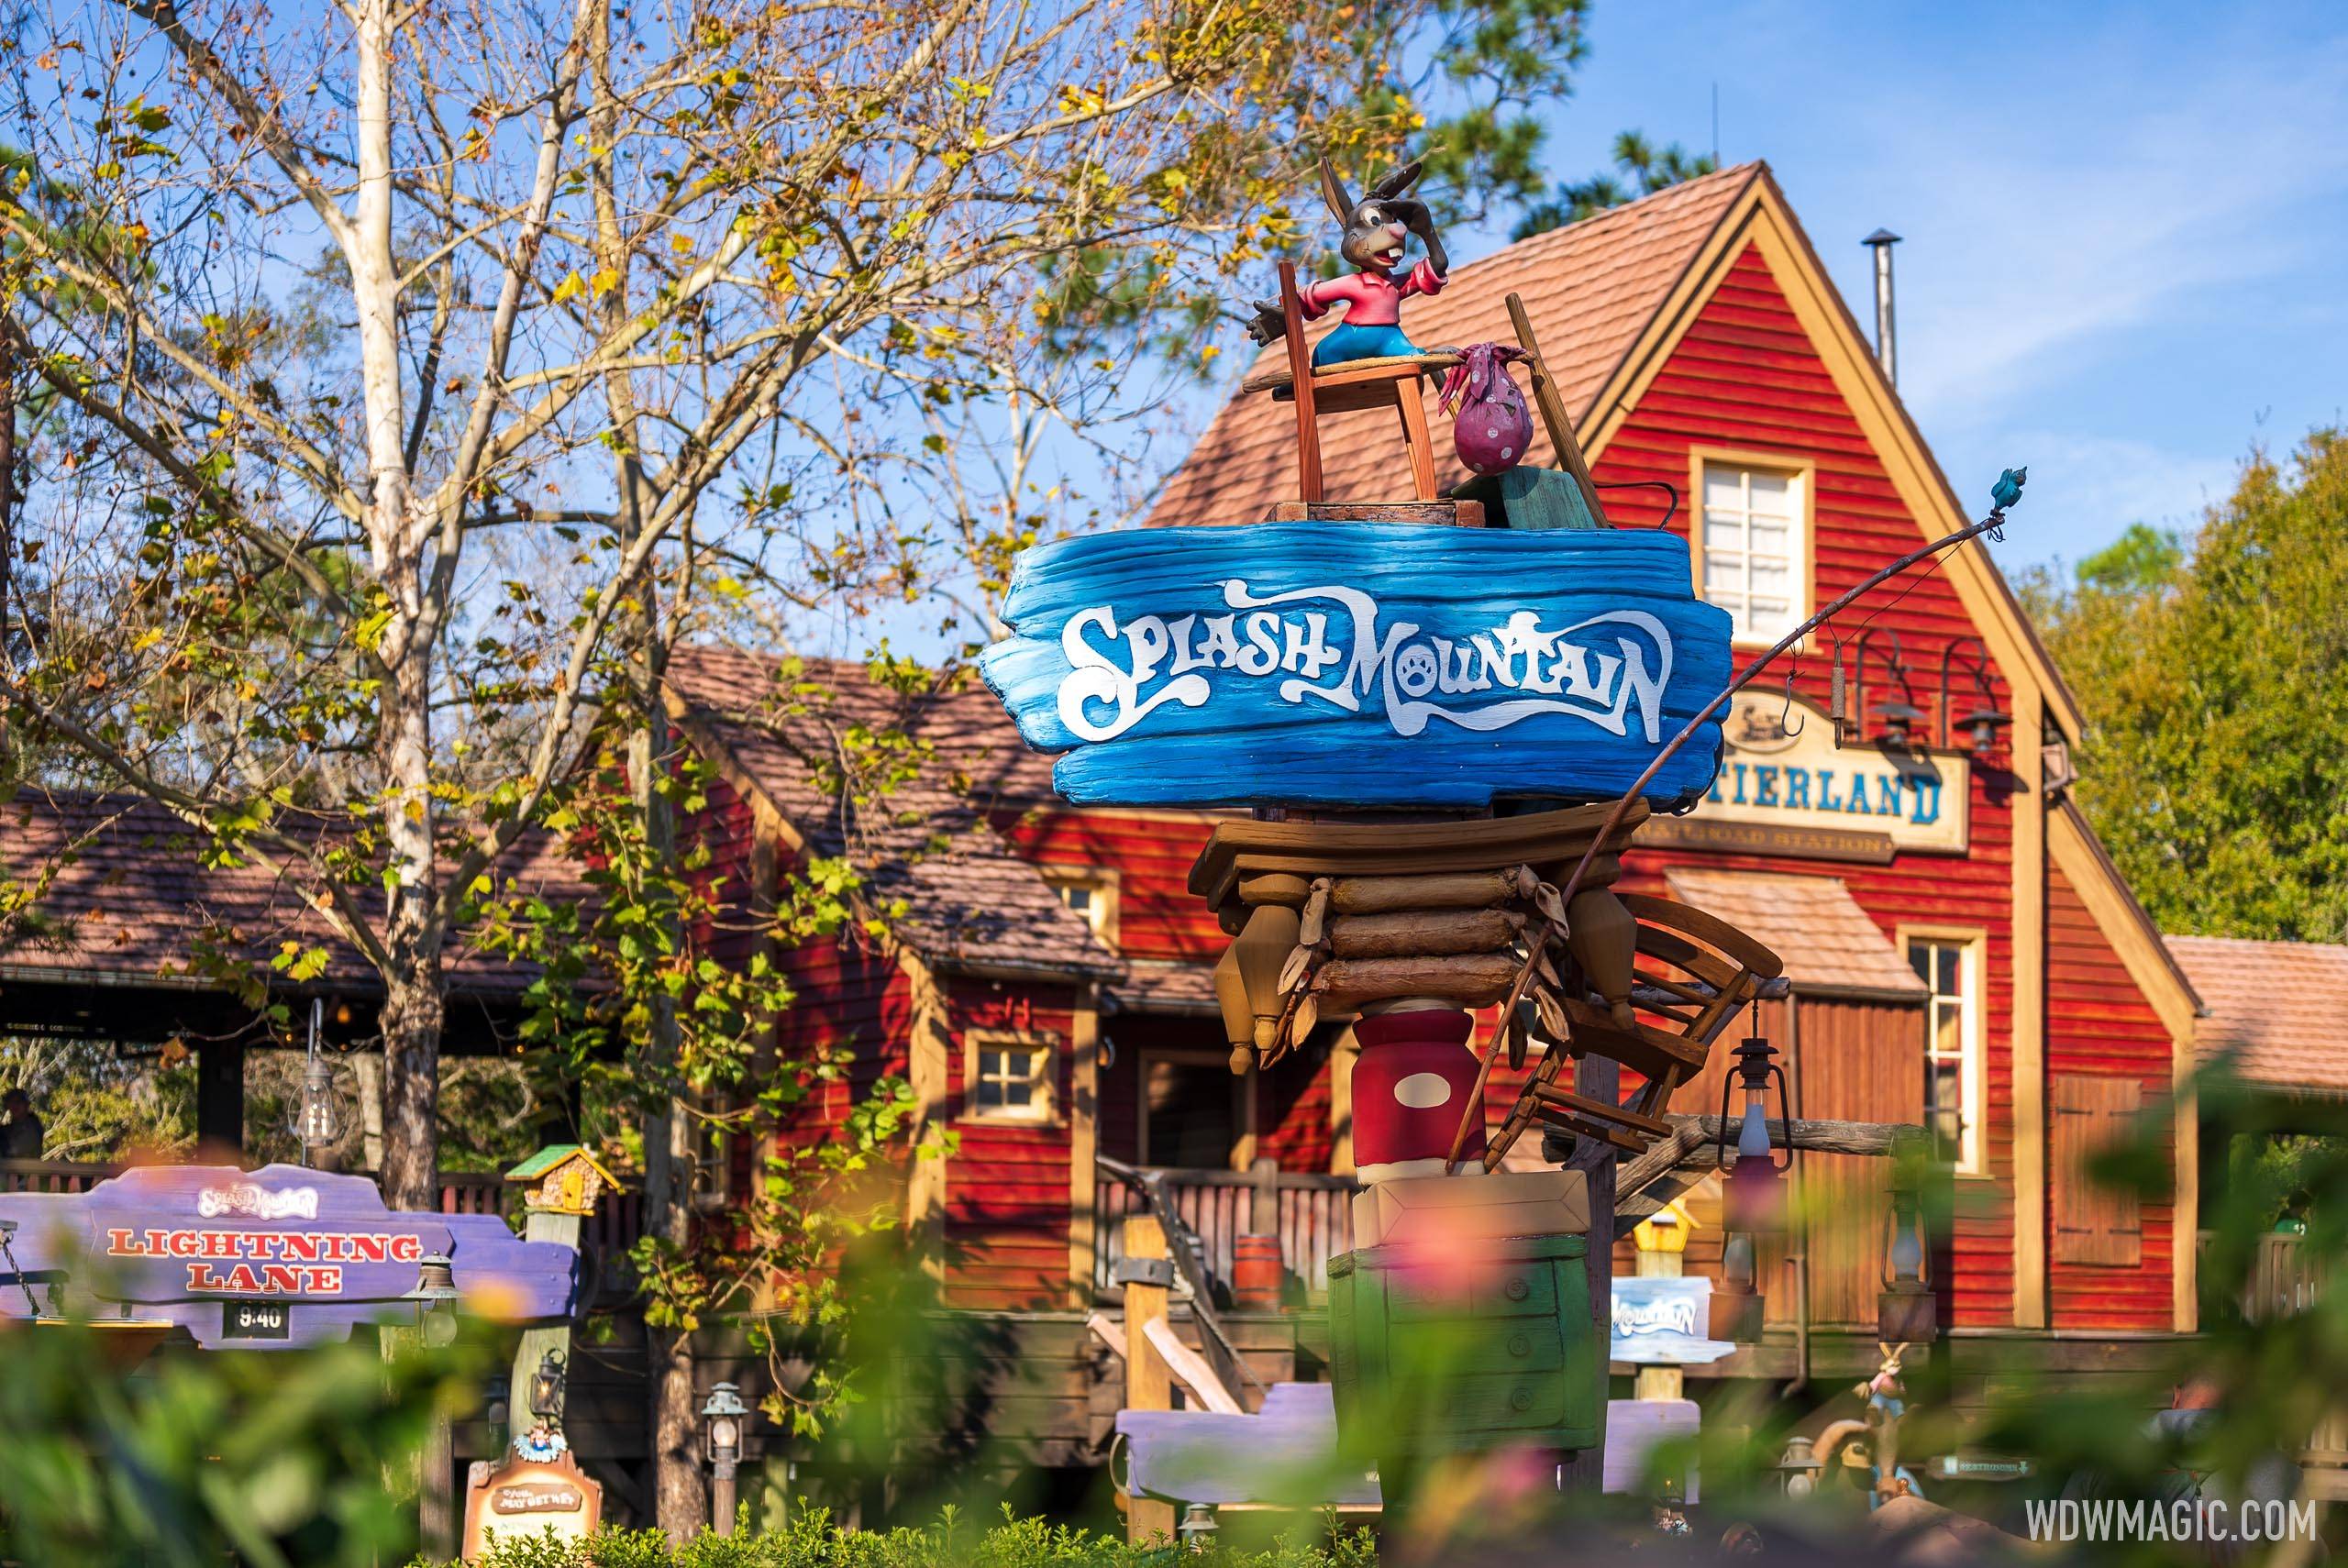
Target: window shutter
2093	1223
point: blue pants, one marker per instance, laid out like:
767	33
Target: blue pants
1351	342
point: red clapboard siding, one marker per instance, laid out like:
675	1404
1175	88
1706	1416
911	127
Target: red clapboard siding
1152	852
1007	1224
1746	377
2099	1025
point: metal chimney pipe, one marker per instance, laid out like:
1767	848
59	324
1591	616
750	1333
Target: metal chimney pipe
1885	353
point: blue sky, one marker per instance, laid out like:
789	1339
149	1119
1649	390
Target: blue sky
2126	228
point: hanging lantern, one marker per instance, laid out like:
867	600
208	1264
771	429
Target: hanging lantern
1985	722
317	1120
1754	1193
1898	719
1905	1312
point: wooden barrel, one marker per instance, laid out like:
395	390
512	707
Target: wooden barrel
1257	1276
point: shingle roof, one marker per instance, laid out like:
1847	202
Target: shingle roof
898	777
130	899
1591	289
1830	944
1166	986
2274	1009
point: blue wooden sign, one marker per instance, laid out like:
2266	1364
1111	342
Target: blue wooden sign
1662	1321
274	1257
1360	664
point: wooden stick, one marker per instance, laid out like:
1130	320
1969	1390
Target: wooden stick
1445	890
1411	933
1300	365
1553	410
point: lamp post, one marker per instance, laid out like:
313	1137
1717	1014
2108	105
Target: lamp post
1753	1195
436	1297
722	1420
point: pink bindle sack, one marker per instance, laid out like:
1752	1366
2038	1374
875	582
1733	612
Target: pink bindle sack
1493	427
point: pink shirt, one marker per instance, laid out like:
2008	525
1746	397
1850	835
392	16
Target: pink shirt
1371	299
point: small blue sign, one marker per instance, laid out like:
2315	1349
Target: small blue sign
1664	1322
1361	664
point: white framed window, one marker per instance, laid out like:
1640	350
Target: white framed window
1092	892
1750	542
1009	1076
1949	967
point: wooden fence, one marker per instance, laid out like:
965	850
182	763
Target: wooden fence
1311	1214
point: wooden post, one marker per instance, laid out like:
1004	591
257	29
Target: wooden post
1553	410
1300	364
1149	1385
1601	1078
1659	1258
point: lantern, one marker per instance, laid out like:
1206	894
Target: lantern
1984	723
1754	1193
547	1385
1899	719
1797	1467
435	1295
1905	1313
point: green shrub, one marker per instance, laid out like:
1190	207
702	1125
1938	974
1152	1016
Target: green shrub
814	1541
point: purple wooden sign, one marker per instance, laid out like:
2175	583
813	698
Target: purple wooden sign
274	1257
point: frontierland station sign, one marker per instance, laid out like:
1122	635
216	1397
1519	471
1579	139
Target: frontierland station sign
1784	787
278	1256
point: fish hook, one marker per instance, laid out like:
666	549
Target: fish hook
1788	711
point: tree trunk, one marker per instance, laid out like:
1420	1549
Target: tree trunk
414	1006
414	1010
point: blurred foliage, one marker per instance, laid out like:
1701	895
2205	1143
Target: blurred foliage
196	1459
2212	669
813	1540
98	1102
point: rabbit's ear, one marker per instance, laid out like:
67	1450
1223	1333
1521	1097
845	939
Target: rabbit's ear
1394	184
1333	190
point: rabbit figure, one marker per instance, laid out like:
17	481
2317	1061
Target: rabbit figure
1375	229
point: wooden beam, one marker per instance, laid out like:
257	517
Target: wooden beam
1083	1142
1692	1148
1148	1386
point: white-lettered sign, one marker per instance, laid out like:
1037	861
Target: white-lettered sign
1780	768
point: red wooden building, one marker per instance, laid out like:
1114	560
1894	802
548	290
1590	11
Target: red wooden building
1962	950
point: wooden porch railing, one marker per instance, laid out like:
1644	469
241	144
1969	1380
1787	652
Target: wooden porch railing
1312	1217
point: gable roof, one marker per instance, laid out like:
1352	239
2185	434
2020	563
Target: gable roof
126	899
2274	1009
1591	288
1831	946
909	810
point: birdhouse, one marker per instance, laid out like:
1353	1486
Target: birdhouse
562	1179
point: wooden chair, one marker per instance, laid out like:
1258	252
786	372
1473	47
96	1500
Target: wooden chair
1693	972
1385	382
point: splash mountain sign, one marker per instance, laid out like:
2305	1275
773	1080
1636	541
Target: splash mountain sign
1360	664
280	1255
